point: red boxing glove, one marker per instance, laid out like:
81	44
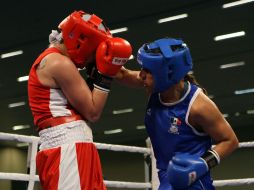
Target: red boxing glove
111	55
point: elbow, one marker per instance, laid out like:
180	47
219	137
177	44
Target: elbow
93	117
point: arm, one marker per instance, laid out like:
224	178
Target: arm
129	78
205	113
66	76
184	168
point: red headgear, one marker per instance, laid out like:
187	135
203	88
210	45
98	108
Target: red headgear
82	33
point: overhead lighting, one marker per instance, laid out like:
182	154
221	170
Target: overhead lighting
245	91
11	54
131	57
250	112
231	35
225	115
128	110
236	3
237	114
139	127
168	19
119	30
237	64
19	127
114	131
16	104
22	79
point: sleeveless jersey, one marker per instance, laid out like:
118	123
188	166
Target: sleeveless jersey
46	102
168	128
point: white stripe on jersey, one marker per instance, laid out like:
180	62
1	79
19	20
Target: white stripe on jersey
57	103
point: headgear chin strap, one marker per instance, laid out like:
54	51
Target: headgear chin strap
82	33
168	60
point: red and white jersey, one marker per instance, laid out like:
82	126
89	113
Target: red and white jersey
46	102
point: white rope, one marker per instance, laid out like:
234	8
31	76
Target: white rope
123	148
233	182
117	184
18	177
31	139
246	144
122	184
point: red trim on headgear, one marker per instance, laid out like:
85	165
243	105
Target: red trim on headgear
82	33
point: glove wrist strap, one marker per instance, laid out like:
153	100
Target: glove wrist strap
212	158
102	82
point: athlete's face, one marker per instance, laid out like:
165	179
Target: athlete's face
147	79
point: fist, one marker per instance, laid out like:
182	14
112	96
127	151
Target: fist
184	169
111	55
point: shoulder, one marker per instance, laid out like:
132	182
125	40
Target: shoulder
57	59
202	108
201	103
57	62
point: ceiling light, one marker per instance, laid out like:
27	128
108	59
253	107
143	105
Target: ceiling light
250	111
236	3
124	29
114	131
245	91
172	18
19	127
14	53
17	104
237	114
231	35
128	110
225	115
131	57
140	127
237	64
22	79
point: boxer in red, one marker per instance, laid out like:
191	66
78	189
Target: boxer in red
61	101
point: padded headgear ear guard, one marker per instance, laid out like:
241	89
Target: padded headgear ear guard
82	33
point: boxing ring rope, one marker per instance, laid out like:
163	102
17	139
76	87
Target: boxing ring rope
32	177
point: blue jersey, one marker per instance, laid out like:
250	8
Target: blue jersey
170	132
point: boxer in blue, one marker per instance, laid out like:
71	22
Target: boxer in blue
181	121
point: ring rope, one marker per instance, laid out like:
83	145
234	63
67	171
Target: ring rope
117	184
31	139
233	182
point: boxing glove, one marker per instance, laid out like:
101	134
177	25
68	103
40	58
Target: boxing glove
111	55
184	168
96	79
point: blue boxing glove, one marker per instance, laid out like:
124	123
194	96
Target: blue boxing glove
184	168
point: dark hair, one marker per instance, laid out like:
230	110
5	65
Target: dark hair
191	78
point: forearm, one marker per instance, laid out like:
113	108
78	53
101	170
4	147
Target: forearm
225	148
99	99
129	78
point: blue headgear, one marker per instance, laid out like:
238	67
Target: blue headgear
168	60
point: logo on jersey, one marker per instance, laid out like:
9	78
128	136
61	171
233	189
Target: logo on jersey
174	125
